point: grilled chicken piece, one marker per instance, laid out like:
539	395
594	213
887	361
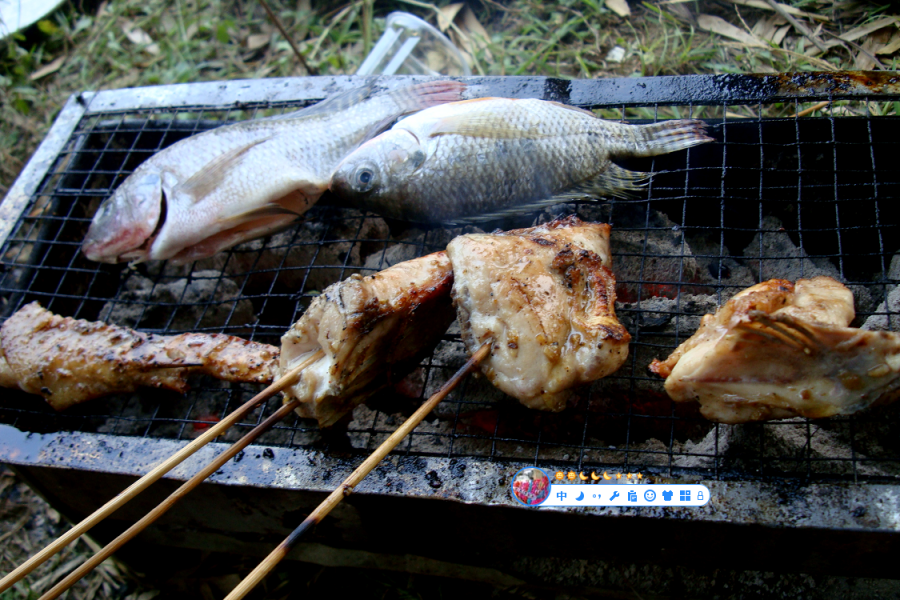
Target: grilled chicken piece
372	330
69	361
779	350
546	296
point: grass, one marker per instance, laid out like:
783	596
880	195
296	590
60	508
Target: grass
125	43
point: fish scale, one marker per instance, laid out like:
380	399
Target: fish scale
490	157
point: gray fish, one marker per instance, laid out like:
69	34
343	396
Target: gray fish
235	183
481	159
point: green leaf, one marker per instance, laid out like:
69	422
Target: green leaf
22	105
48	27
82	24
222	33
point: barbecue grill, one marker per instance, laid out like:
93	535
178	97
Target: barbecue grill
778	194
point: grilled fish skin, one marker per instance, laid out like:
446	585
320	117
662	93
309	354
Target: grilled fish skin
371	329
481	159
546	296
69	361
779	350
234	183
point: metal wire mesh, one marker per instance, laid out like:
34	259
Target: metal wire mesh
784	197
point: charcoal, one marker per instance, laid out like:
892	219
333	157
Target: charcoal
198	302
306	258
772	255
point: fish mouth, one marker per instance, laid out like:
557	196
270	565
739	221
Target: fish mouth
340	182
128	244
142	252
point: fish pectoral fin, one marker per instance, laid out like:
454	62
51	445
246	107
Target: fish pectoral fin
269	210
230	237
613	182
204	181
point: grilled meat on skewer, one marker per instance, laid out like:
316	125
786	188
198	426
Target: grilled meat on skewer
547	297
779	350
370	328
69	361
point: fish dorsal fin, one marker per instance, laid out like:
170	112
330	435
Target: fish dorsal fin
572	108
205	180
484	121
331	104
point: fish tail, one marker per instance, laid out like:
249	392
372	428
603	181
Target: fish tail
663	137
423	95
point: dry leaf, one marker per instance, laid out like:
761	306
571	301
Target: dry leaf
139	37
447	15
864	30
51	67
475	35
258	40
724	28
892	46
865	60
682	12
789	9
767	27
127	80
620	7
780	34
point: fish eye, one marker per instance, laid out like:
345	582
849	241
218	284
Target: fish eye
364	179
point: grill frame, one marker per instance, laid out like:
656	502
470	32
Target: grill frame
865	512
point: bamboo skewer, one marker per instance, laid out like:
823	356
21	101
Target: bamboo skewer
169	502
144	482
346	488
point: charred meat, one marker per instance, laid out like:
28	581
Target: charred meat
779	350
546	296
69	361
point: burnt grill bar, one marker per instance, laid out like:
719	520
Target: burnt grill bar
775	195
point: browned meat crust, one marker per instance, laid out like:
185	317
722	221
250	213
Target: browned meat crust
779	350
69	361
546	296
372	330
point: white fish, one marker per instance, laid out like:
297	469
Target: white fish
216	189
486	158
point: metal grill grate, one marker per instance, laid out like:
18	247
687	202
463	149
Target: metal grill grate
774	196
